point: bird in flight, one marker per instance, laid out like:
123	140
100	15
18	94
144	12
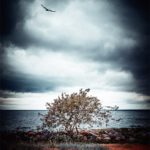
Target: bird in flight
47	9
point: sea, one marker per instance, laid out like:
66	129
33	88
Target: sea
25	120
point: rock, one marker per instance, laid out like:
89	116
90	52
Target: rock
30	133
118	138
131	139
106	137
122	137
84	138
98	138
113	134
84	133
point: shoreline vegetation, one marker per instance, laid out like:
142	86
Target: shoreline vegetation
63	114
95	139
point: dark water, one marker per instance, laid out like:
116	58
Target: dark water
29	119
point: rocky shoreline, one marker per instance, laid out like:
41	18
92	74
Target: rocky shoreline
113	135
123	135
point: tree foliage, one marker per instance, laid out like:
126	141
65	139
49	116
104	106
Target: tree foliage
69	112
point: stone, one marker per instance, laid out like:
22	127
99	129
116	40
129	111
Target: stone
106	137
84	138
122	137
131	139
117	138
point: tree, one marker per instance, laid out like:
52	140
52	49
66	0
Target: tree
69	112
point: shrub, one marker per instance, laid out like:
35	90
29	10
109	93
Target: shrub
69	112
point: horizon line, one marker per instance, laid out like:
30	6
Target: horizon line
46	109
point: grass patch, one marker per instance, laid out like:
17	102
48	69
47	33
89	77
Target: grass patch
68	146
19	146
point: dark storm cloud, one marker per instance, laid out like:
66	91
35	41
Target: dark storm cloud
146	101
10	16
138	63
6	94
135	60
133	17
12	19
11	80
13	15
25	83
136	18
15	81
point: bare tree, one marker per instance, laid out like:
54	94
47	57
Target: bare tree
69	112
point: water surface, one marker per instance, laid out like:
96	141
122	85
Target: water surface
29	119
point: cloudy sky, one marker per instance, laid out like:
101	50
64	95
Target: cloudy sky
98	44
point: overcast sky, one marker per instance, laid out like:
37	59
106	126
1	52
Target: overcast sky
98	44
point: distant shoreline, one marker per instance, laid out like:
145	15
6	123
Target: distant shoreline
46	110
